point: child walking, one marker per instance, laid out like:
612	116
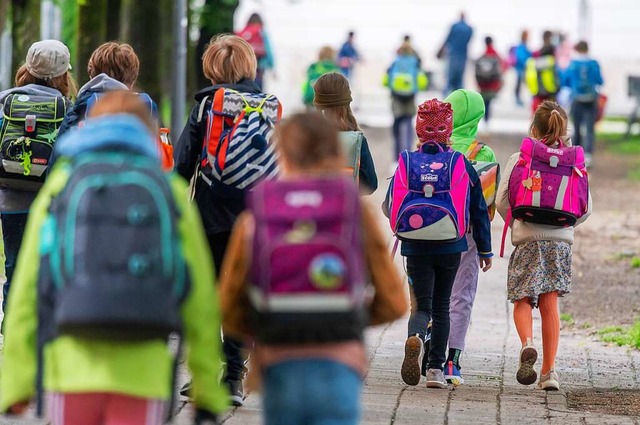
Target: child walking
332	96
294	276
44	87
92	335
468	109
442	190
540	266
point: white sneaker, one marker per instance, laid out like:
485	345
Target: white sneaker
435	379
526	375
413	353
549	381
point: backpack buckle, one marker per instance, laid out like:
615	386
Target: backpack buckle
30	124
428	190
554	161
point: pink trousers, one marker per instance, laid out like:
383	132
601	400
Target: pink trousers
104	409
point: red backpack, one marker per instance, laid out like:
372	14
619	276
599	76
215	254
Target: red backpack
252	34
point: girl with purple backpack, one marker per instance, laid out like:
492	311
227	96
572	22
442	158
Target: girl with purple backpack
540	266
294	280
427	182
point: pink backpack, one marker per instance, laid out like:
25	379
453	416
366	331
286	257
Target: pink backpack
429	198
548	186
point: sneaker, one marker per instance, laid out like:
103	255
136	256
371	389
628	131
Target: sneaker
413	354
528	356
588	159
452	374
549	381
435	379
427	346
235	391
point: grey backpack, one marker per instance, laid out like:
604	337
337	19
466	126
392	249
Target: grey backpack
351	142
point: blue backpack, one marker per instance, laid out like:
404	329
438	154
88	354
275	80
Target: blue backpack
403	76
584	89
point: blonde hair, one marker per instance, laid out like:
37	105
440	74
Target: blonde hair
228	59
307	141
335	84
124	102
118	60
326	54
64	83
549	123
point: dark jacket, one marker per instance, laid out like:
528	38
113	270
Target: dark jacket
218	214
368	177
478	218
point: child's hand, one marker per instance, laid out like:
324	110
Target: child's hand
486	263
18	408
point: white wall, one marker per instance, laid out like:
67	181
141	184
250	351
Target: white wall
298	28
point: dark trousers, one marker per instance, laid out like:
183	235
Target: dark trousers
431	278
231	347
487	108
584	121
518	86
13	226
403	134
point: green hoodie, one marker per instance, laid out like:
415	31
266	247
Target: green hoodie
468	110
142	369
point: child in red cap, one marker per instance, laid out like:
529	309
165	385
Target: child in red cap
432	265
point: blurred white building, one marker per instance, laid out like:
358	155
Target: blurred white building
298	28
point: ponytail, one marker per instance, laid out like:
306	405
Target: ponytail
549	124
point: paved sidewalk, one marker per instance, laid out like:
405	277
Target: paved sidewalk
490	394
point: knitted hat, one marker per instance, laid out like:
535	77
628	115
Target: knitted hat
434	122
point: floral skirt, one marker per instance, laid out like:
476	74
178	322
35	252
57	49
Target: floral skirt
539	267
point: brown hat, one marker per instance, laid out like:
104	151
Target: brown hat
48	59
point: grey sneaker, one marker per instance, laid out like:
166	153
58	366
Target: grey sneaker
413	353
435	379
526	375
549	381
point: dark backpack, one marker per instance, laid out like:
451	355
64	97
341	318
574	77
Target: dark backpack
27	136
488	69
307	277
112	250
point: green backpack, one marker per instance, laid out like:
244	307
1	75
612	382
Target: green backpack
27	136
314	72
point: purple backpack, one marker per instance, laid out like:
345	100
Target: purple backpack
307	275
430	195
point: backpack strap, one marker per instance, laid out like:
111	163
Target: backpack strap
203	104
474	149
507	223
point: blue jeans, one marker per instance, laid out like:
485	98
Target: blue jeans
455	75
311	392
13	226
403	134
584	118
431	278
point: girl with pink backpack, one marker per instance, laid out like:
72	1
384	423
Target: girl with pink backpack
542	197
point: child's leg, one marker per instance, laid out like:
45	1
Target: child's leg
397	124
421	276
463	294
548	304
446	267
70	409
129	410
522	317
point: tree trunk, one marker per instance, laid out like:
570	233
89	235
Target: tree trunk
216	18
70	32
93	32
140	27
113	19
4	9
25	22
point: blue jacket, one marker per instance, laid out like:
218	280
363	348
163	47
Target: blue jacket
458	41
583	77
368	177
478	217
522	54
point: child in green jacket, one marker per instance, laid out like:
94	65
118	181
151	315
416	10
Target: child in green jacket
97	380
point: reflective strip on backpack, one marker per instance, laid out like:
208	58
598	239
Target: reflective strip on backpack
301	303
535	198
562	191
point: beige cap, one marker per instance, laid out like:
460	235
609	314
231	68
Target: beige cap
48	59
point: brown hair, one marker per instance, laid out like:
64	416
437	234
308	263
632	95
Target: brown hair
307	141
228	59
123	102
64	83
336	86
326	54
549	123
582	47
118	60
